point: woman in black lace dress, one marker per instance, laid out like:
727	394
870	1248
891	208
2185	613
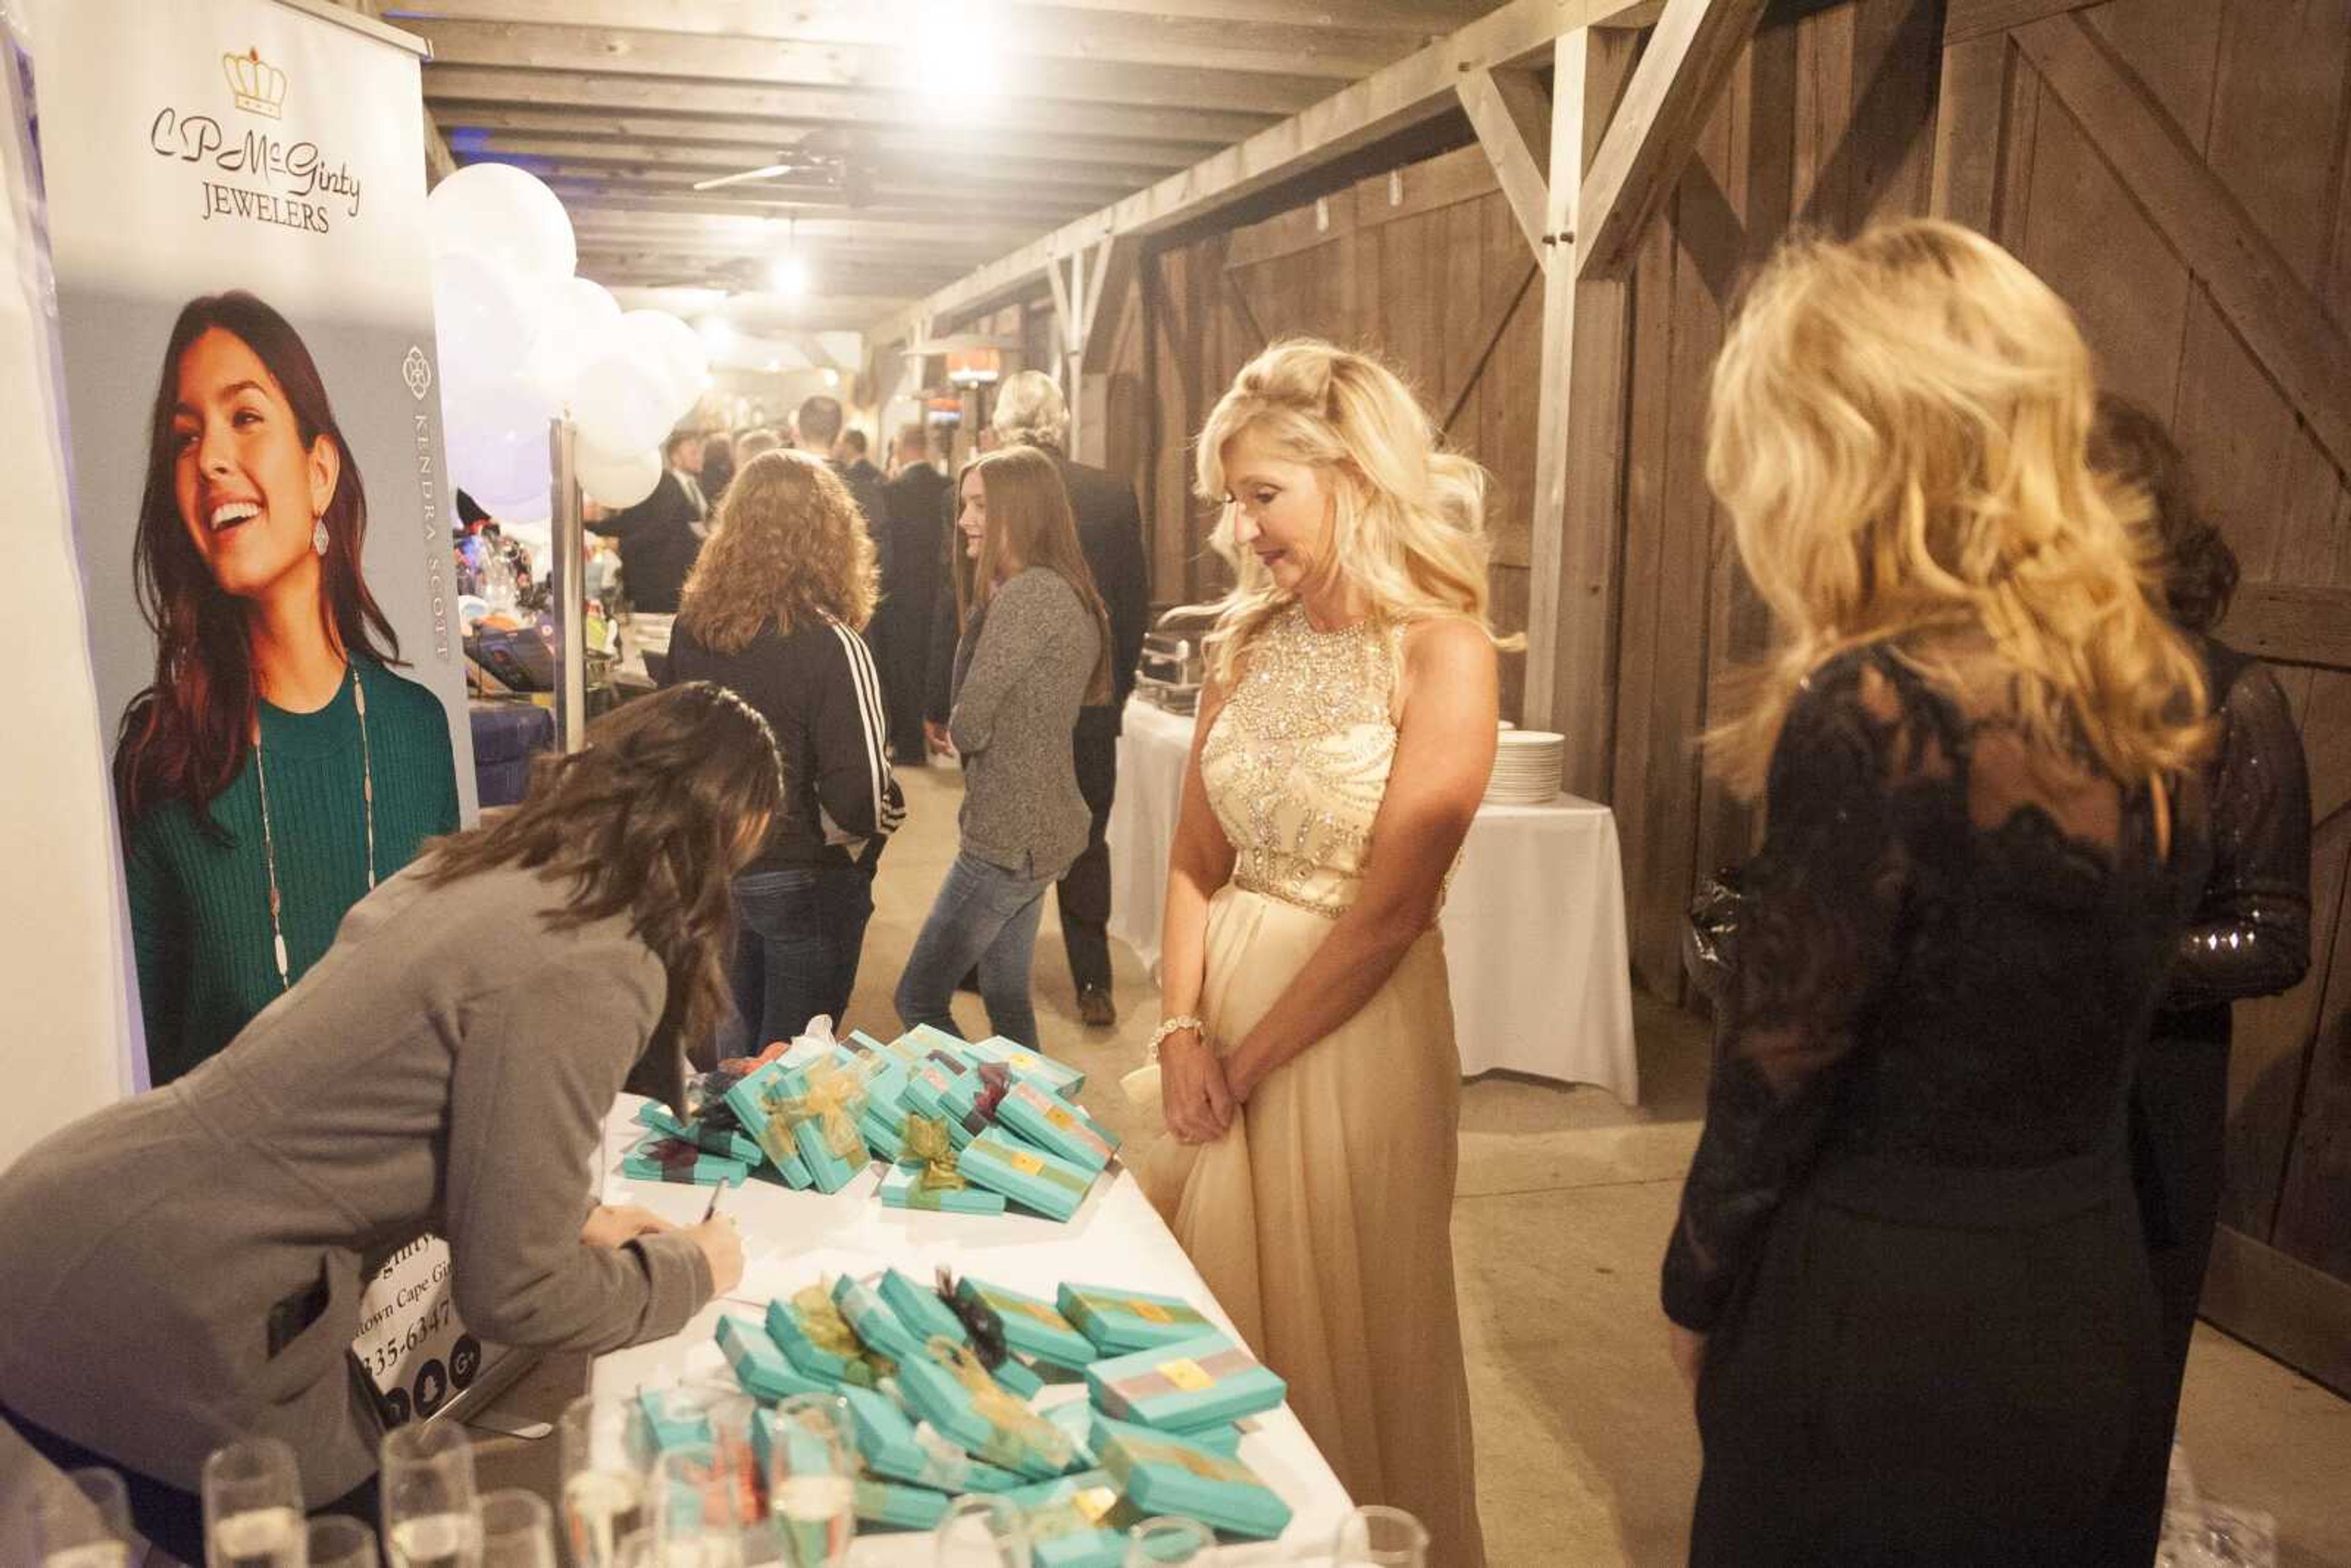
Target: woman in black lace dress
1907	1274
2250	935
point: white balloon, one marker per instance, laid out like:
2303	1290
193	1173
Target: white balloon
619	481
497	440
664	340
482	319
622	404
496	211
577	321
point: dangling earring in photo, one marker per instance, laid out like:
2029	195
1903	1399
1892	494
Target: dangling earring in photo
319	536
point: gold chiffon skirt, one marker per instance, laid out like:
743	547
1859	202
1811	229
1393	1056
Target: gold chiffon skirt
1323	1219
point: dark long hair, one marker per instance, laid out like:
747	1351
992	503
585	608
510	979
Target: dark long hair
1029	524
2199	570
186	735
651	821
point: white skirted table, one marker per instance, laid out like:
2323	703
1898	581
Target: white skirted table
1533	924
792	1239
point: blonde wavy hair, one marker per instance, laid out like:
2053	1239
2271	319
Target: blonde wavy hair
789	544
1899	431
1408	517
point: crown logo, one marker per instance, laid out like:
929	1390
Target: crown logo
259	86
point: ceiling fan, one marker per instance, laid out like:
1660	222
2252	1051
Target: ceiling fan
816	166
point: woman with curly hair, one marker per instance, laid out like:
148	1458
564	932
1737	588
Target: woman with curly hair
774	612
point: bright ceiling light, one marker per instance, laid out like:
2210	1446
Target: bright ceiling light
832	377
955	59
787	274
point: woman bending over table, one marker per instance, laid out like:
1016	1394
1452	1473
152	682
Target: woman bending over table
184	1268
1311	1085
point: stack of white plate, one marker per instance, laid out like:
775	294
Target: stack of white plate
1526	767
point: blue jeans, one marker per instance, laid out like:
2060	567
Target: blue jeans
798	935
987	913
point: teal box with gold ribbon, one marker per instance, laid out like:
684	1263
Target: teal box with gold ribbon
1160	1476
758	1366
894	1449
870	1319
1027	1174
920	1309
973	1410
811	1333
1193	1383
1031	1326
1121	1321
1077	1521
903	1186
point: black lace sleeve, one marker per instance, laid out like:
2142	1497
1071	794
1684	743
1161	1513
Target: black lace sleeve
2249	936
1820	902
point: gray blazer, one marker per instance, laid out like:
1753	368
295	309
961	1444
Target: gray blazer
184	1267
1020	676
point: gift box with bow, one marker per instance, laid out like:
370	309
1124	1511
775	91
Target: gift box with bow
1031	1326
955	1395
1193	1383
723	1142
819	1341
1077	1521
1058	1077
758	1366
1121	1321
894	1449
870	1319
667	1159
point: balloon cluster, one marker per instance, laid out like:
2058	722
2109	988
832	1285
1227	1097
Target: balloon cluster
522	340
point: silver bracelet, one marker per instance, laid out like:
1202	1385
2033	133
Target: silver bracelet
1168	1027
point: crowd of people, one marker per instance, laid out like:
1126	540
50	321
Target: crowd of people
2029	829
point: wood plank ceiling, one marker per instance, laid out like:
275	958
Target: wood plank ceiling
929	136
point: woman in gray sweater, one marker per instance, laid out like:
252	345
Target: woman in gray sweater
1035	648
184	1268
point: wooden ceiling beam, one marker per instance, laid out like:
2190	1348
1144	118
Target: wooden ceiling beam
664	214
1036	157
1107	181
1412	90
614	94
1329	48
1425	18
638	52
1038	208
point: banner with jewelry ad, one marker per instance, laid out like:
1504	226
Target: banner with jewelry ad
235	201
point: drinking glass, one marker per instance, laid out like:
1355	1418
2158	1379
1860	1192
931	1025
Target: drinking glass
638	1549
339	1543
1167	1540
698	1502
812	1481
983	1532
603	1480
429	1518
253	1507
1376	1537
517	1530
83	1521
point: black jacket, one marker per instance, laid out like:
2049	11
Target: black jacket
817	690
1110	532
912	542
864	482
659	539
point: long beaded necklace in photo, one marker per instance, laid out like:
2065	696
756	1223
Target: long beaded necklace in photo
269	838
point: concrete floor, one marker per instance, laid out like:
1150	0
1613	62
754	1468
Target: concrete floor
1586	1454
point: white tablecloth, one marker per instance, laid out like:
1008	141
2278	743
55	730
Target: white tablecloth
791	1239
1534	922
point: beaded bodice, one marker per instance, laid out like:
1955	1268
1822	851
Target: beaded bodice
1297	761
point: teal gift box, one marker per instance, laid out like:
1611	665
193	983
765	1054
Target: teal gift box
895	1449
973	1410
893	1502
920	1309
1031	1326
1053	1124
869	1318
665	1429
1192	1383
787	1326
1077	1521
751	1100
1223	1439
1027	1174
822	1102
1161	1476
1076	1419
725	1142
1018	1377
1121	1321
902	1187
667	1159
1057	1076
758	1366
929	1080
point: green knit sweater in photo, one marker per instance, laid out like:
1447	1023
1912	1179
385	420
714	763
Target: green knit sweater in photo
200	900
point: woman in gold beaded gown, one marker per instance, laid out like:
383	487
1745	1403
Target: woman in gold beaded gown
1308	1076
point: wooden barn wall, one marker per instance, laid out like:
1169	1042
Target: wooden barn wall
2179	170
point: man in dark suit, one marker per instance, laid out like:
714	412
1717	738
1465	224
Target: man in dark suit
1029	411
913	526
661	535
850	453
816	430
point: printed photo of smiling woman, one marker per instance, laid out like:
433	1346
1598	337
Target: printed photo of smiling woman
276	769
